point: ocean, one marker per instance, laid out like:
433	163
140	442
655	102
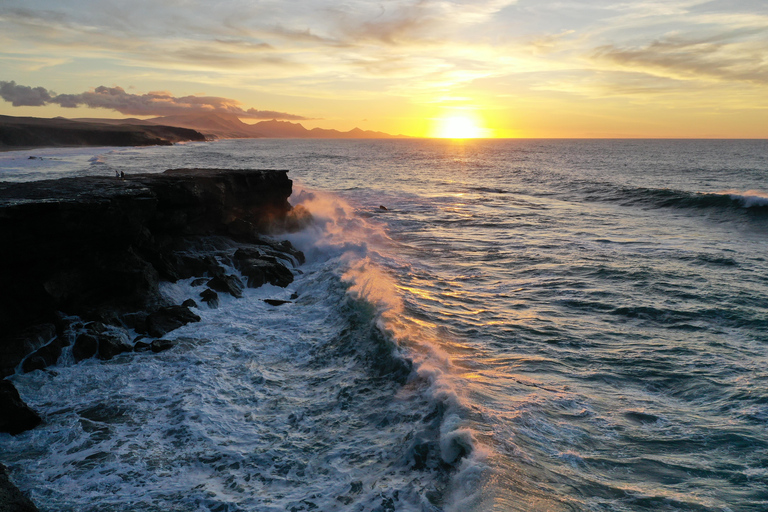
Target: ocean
481	325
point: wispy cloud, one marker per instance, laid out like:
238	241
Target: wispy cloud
150	104
730	56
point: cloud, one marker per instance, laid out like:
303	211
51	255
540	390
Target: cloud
159	103
703	58
24	96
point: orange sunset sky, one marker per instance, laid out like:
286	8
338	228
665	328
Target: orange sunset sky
492	68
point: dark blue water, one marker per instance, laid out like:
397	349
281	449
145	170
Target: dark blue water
587	320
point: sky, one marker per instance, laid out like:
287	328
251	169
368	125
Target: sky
505	68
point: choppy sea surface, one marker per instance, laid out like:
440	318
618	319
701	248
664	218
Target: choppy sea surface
529	325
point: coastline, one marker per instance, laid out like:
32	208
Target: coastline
31	132
90	254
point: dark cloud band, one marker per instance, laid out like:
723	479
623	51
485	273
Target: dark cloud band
150	104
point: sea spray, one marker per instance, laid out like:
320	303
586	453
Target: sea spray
366	251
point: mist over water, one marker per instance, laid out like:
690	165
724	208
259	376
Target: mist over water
528	325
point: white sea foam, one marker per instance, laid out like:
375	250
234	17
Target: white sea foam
364	247
748	198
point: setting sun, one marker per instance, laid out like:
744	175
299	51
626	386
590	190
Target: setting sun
458	127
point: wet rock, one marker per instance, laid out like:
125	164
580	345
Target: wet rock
15	416
169	318
15	348
142	346
136	321
210	297
228	284
281	249
162	345
276	302
11	498
199	281
86	345
260	269
112	344
44	357
194	266
189	303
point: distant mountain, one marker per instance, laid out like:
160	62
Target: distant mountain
213	126
287	130
229	126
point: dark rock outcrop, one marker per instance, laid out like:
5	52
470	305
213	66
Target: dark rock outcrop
86	346
98	247
15	416
112	344
161	345
261	268
227	284
166	319
15	347
210	297
276	302
11	498
79	253
44	357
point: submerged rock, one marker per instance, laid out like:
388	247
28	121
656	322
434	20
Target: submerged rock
161	345
276	302
15	416
142	346
210	297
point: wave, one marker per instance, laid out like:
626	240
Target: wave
751	201
445	442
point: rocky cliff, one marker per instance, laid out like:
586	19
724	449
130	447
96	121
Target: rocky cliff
16	132
81	261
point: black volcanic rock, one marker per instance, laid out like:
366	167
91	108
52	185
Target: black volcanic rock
210	297
97	247
261	269
227	284
161	345
44	357
11	498
15	347
276	302
15	415
89	246
86	346
166	319
112	344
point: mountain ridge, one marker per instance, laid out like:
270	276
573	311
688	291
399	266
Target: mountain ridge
218	125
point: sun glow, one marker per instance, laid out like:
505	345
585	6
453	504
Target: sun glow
459	127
